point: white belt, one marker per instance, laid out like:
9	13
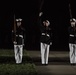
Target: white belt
20	36
45	34
71	35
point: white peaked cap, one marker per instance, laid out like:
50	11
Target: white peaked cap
19	19
73	19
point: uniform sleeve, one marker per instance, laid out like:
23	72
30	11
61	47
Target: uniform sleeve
41	27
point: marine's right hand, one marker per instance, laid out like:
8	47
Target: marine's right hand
14	42
40	14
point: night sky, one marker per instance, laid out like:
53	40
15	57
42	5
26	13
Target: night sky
56	11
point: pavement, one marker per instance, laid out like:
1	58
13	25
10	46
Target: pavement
59	63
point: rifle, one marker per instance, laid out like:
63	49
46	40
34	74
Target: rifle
70	11
41	5
14	28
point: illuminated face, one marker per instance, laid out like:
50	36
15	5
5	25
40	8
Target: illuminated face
18	23
73	24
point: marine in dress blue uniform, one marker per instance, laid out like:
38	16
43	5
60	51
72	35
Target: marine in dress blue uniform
19	43
45	40
72	41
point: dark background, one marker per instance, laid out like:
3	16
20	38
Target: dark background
56	11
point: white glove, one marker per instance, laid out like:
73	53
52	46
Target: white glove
40	14
50	43
15	42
